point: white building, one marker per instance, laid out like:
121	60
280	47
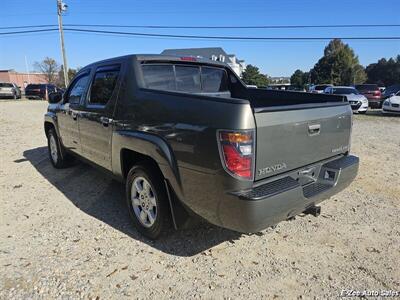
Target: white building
217	54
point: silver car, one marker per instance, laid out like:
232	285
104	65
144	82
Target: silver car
358	102
9	90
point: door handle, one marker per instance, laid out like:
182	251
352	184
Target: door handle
74	116
314	129
105	121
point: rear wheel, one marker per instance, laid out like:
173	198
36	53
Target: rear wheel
57	158
147	200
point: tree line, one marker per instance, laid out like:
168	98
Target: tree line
338	66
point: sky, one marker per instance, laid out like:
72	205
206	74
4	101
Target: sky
275	58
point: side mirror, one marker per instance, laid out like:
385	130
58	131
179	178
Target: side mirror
55	97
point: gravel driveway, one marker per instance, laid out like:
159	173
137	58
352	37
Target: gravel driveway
66	233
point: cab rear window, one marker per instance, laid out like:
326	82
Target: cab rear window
159	77
185	78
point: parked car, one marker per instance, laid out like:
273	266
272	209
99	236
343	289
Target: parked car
187	137
39	91
358	102
390	91
319	89
372	92
392	104
9	90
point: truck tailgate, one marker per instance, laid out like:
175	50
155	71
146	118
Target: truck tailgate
291	139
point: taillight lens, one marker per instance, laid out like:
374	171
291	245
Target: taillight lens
377	93
237	152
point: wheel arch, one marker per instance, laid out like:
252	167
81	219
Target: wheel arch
132	147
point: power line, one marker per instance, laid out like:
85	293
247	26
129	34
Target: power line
228	37
27	26
139	34
234	27
209	27
27	31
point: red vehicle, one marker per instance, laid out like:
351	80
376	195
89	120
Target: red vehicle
373	94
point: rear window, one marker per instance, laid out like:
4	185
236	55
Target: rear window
344	91
188	79
5	84
159	77
321	87
34	86
367	87
185	78
214	80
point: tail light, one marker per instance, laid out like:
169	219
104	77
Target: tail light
377	93
237	152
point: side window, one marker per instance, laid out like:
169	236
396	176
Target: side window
214	80
159	77
188	79
103	86
77	90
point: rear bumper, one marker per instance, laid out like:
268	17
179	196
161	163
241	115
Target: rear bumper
375	102
278	200
33	97
6	94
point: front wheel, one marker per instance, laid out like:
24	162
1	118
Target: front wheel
147	200
57	158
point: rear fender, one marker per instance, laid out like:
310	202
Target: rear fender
149	145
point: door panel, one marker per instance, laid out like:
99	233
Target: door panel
95	134
68	126
95	122
68	114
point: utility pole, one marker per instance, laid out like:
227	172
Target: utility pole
27	69
62	7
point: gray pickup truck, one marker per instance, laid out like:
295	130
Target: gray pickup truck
188	138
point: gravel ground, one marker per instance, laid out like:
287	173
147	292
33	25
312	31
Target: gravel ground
66	233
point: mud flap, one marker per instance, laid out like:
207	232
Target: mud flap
179	214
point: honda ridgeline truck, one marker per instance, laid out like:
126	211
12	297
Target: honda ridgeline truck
187	137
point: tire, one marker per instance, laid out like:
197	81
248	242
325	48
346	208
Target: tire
15	96
57	157
147	201
362	112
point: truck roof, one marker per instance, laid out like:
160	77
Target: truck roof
160	57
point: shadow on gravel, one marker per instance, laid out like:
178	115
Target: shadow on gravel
104	199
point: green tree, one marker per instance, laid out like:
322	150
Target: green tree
384	72
71	75
252	76
299	78
338	66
